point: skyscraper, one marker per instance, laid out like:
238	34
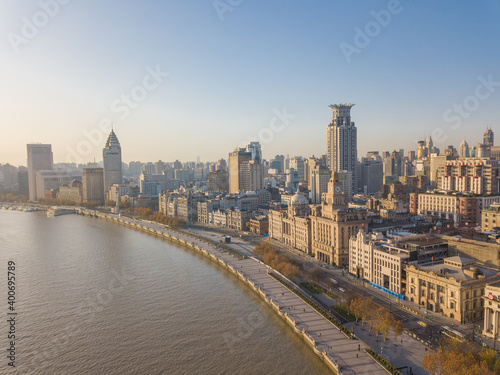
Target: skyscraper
488	137
341	142
256	150
319	178
463	150
236	158
93	185
112	161
297	163
39	158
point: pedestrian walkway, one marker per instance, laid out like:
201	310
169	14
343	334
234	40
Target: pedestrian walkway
326	339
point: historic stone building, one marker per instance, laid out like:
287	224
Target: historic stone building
491	300
292	226
453	286
332	225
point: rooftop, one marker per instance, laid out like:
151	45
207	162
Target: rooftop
424	241
443	268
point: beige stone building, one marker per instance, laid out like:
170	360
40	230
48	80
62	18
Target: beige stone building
332	225
453	286
71	192
490	218
292	227
491	300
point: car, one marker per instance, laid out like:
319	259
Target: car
342	289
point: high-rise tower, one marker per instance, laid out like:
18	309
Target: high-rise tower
236	159
463	150
488	137
39	158
342	142
112	160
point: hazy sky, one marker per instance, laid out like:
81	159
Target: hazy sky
187	78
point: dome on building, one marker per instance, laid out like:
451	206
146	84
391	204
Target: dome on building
298	199
75	183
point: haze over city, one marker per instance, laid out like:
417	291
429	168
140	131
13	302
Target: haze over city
222	71
250	187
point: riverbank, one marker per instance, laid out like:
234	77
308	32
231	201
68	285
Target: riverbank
341	354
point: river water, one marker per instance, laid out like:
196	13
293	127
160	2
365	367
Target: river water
94	297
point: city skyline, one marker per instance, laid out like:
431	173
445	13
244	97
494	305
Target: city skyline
199	70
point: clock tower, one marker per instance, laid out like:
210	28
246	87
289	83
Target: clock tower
333	224
335	197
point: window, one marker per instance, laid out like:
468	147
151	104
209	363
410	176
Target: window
466	295
452	294
452	305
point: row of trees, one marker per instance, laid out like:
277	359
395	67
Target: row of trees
461	358
11	197
122	204
67	202
148	213
378	319
280	262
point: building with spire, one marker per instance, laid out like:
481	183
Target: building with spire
342	143
430	147
112	161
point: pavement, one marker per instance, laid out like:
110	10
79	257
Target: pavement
405	352
348	353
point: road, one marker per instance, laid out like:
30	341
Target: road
430	333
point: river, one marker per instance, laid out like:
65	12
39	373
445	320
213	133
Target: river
93	297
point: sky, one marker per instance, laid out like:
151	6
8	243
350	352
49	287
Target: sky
180	79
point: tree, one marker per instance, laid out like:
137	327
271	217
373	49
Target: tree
354	308
461	358
289	270
383	322
397	328
315	274
124	204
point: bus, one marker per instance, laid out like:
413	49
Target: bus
450	332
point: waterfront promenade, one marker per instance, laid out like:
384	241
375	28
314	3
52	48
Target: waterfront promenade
336	349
